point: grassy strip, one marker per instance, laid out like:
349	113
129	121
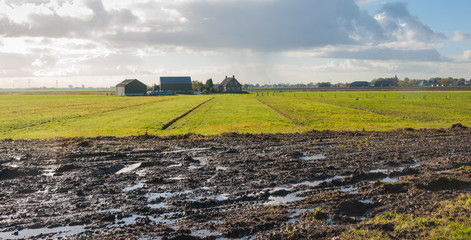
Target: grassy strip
230	113
106	116
169	123
279	112
34	116
447	220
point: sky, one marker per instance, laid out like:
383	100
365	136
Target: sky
93	43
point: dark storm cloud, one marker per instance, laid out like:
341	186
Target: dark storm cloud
263	25
427	55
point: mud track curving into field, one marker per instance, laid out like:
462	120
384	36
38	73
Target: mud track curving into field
279	112
169	123
229	186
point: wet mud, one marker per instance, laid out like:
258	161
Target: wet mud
232	186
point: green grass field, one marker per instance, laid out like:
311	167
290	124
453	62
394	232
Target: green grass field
46	116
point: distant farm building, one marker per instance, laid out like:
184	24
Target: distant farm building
429	83
131	87
360	84
230	85
176	84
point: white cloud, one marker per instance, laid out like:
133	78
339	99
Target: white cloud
363	2
467	55
117	38
460	36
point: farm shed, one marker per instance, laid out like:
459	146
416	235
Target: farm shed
230	85
131	87
176	84
360	84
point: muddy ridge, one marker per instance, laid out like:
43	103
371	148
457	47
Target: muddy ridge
232	186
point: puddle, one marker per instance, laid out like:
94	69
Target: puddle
12	165
205	233
220	168
330	221
220	197
128	168
49	172
153	196
313	157
134	187
178	178
404	166
188	150
366	201
160	219
294	217
141	173
175	165
319	182
111	210
389	180
276	200
380	171
158	206
291	197
399	169
351	190
30	233
203	160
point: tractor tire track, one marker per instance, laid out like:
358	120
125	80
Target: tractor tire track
280	113
66	118
171	122
363	110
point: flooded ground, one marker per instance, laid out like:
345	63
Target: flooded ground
234	186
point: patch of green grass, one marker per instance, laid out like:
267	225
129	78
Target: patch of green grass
45	116
374	110
447	220
70	116
229	113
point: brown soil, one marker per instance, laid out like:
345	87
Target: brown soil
229	186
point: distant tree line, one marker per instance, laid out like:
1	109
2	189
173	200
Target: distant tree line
379	82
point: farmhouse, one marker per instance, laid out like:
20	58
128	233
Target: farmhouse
429	83
176	84
230	85
131	87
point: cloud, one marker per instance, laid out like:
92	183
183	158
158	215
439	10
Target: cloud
399	25
258	25
363	2
460	36
467	55
95	37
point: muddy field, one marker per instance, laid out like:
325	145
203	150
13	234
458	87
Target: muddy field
226	187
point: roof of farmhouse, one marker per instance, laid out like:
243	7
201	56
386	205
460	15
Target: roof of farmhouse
227	80
126	82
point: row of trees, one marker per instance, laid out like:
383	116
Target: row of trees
379	82
208	87
395	82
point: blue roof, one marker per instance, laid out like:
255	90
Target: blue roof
175	80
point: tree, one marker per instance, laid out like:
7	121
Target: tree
324	85
209	86
197	86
